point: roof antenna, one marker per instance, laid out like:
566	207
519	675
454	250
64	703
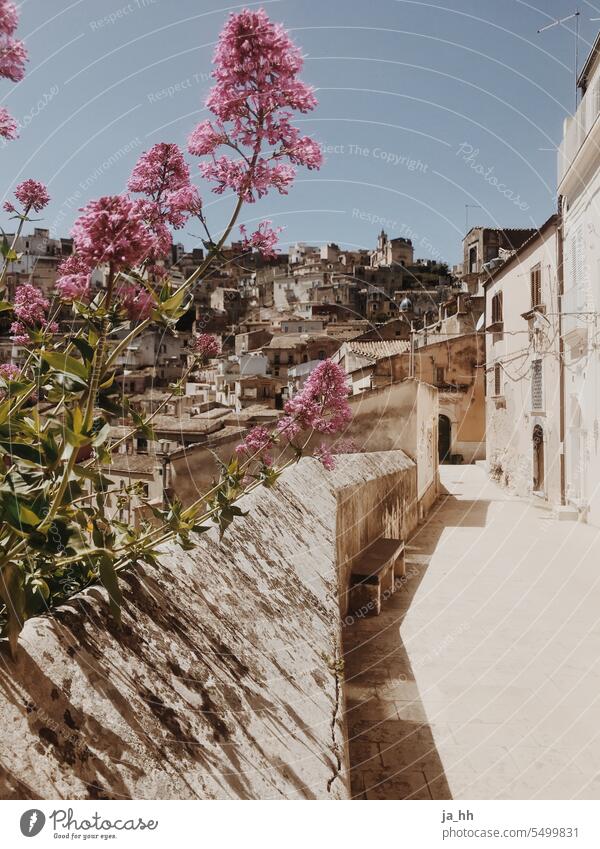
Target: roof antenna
559	22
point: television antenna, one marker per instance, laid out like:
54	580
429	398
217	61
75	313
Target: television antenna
559	22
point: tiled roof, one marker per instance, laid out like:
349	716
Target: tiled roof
380	349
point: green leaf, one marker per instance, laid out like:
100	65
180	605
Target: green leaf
84	348
110	581
12	591
66	364
5	306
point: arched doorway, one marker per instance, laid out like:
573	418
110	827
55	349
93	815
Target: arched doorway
444	438
538	459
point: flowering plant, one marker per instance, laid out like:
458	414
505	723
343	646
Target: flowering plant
58	404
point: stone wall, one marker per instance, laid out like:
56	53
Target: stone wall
221	681
402	415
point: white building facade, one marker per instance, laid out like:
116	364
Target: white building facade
523	403
579	197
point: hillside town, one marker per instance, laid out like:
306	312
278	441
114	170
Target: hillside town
301	520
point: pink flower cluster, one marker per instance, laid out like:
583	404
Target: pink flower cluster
256	445
112	230
9	371
13	56
30	310
264	240
206	346
31	194
322	404
163	176
137	301
257	89
8	125
324	455
73	282
9	18
13	53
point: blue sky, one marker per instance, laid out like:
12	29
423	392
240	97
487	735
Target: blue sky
421	106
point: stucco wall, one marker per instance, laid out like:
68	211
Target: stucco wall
510	417
403	416
462	396
382	506
220	682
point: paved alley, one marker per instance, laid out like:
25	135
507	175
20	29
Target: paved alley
481	677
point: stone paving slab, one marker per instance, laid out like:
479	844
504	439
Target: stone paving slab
481	677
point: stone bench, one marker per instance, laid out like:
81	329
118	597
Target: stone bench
374	575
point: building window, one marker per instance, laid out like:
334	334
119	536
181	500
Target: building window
497	379
473	259
440	376
536	286
537	390
497	311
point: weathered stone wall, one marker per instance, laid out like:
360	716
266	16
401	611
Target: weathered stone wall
220	683
383	506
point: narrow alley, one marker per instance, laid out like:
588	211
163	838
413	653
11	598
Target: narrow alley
481	677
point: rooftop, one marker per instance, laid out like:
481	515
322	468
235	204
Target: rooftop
380	349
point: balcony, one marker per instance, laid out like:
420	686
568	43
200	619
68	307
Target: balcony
579	143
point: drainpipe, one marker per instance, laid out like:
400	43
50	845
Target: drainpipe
561	352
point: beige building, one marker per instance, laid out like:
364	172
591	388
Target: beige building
482	246
523	369
456	366
391	251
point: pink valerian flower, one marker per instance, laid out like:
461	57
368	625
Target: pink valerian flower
233	174
13	55
324	455
30	305
73	281
182	204
264	240
30	308
345	446
137	301
8	125
18	333
158	170
206	346
322	404
205	139
31	194
112	230
162	174
256	445
9	17
9	371
256	91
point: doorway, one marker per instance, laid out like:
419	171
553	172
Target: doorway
538	459
444	438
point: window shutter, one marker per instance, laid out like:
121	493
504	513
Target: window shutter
497	380
537	395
